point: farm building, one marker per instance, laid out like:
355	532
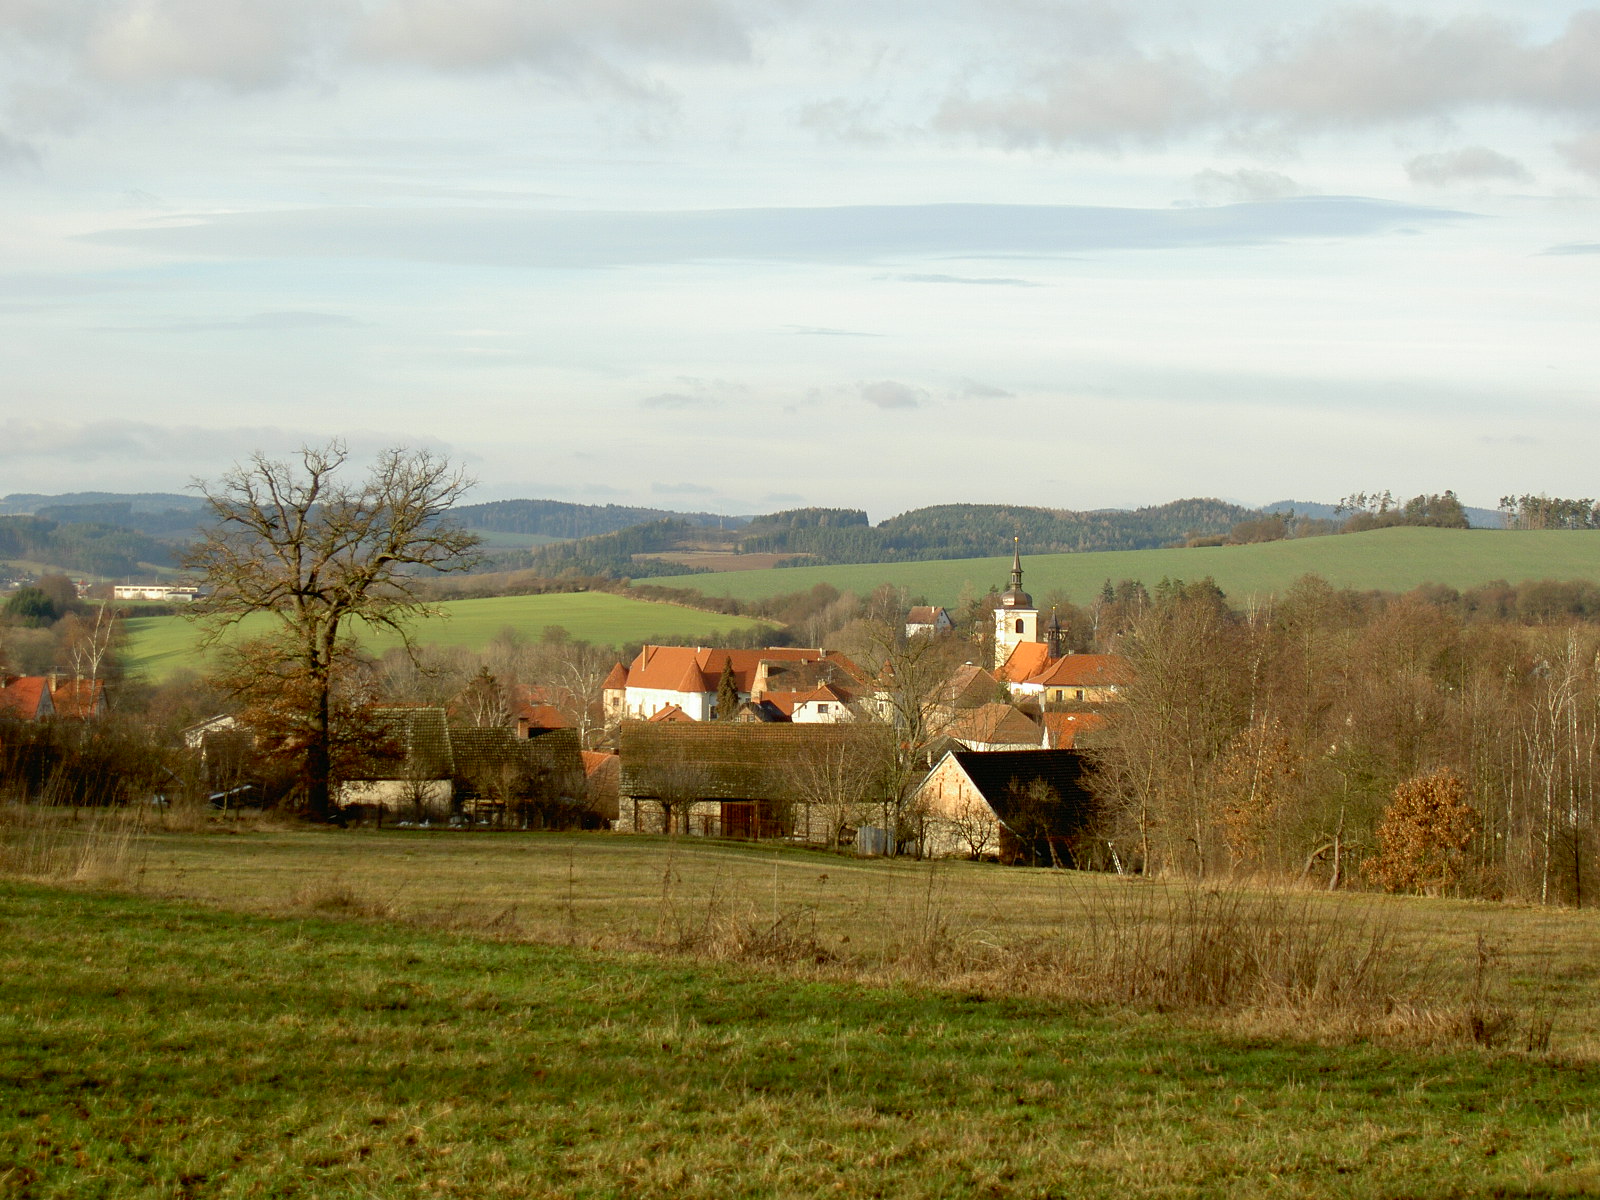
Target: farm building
743	780
1032	805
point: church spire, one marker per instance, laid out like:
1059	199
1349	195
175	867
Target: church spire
1014	596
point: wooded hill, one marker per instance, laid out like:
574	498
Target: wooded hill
90	547
558	519
834	536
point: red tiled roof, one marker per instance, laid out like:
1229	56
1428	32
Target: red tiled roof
26	697
1064	728
699	669
1083	670
616	680
994	724
672	714
79	699
1027	659
542	716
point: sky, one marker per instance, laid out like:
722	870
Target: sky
737	257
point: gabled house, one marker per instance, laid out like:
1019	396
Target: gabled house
1076	678
1063	729
688	677
1032	805
994	727
79	699
928	621
26	698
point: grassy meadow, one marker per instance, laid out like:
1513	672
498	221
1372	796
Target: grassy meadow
1385	559
321	1013
157	646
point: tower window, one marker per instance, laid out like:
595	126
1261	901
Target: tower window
1019	624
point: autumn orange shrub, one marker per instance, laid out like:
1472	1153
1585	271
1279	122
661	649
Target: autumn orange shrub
1424	834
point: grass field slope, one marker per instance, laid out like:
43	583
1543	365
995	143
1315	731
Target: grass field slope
158	646
1385	559
406	1014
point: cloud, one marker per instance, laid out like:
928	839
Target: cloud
1582	153
843	120
552	239
992	281
675	400
1355	67
1090	102
28	440
266	322
547	34
887	393
1574	248
1247	183
825	331
240	44
1471	164
1359	66
971	389
782	498
16	153
682	489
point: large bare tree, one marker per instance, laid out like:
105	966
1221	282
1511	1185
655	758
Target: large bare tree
296	540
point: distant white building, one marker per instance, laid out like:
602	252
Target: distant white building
166	593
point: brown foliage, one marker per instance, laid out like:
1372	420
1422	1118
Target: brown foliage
1424	834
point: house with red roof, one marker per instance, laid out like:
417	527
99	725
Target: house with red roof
26	697
687	678
1076	678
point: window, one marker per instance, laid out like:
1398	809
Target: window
1019	624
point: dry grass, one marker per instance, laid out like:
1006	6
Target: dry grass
97	846
1255	959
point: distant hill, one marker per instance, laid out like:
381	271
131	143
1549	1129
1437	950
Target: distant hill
558	519
87	547
838	536
1393	560
28	503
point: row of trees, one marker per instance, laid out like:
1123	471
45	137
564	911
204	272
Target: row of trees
1276	740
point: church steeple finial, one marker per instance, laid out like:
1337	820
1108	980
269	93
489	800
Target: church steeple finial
1014	596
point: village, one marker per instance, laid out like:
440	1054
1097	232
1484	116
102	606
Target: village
929	753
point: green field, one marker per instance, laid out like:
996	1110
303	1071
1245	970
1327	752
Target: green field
472	1015
157	646
1385	559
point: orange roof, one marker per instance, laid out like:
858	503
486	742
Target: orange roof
26	697
1064	728
616	680
598	760
1027	659
79	699
698	669
994	724
672	714
542	716
1083	670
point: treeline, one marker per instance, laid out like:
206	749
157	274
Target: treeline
979	530
92	548
1436	741
558	519
612	554
1549	512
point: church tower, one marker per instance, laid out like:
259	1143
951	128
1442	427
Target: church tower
1016	620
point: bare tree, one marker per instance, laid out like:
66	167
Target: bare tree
293	539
